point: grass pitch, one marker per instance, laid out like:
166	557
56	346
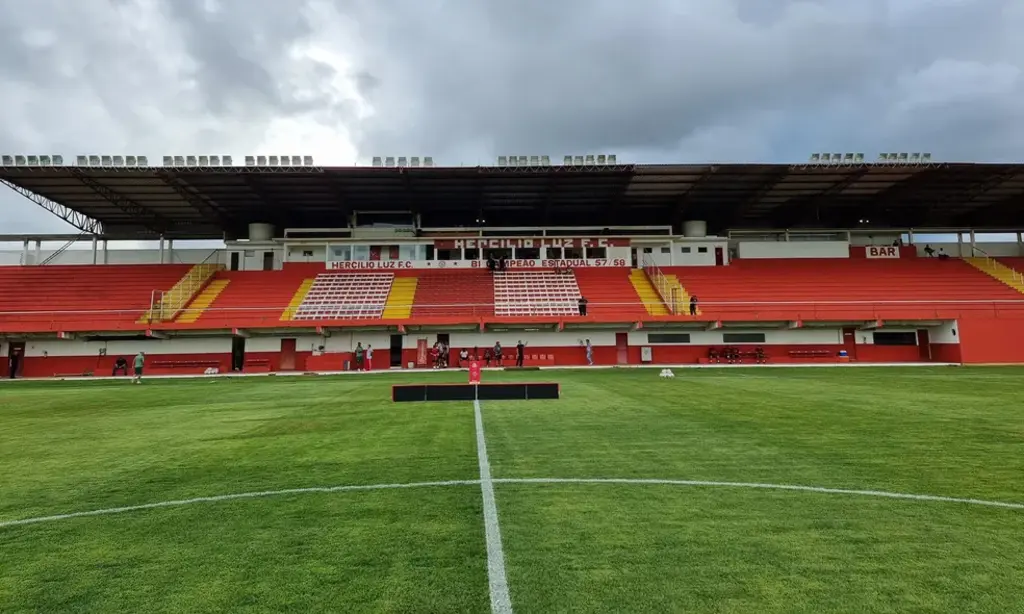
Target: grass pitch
569	547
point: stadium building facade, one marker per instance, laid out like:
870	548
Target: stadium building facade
678	265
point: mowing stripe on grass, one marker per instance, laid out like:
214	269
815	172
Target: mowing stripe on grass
501	603
817	489
232	497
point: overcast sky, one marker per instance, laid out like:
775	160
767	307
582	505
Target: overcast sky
467	80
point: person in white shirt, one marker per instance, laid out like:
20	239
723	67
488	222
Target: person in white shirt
369	357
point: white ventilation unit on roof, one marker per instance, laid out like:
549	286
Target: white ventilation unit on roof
250	161
307	160
545	160
117	161
403	162
131	161
567	160
428	161
577	160
32	160
502	160
261	160
926	157
272	161
6	160
19	160
106	160
226	161
44	161
377	161
204	160
214	160
611	158
296	160
414	161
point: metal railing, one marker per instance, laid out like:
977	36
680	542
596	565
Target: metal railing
670	293
994	265
167	304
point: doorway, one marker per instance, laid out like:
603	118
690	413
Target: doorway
443	338
924	345
636	258
850	342
15	359
237	353
396	350
287	354
268	261
719	256
622	347
234	261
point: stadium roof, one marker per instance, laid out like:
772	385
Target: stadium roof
204	203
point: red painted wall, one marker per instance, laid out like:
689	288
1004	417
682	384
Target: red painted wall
996	340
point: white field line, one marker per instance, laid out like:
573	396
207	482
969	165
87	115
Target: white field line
635	481
231	497
815	489
501	602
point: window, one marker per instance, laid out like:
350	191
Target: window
341	253
702	250
527	253
471	253
891	338
743	338
648	250
668	338
685	250
554	252
573	253
307	253
597	252
448	254
666	250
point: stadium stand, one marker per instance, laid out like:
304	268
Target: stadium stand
339	296
612	294
1006	270
401	298
246	298
648	294
456	295
781	289
81	298
536	293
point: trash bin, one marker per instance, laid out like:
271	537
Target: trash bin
348	365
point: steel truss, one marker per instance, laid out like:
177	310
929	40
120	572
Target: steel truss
197	202
149	219
79	220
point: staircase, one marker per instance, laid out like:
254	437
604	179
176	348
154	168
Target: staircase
400	299
297	298
648	293
681	293
995	269
202	300
174	300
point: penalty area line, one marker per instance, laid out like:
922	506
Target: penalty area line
232	497
763	486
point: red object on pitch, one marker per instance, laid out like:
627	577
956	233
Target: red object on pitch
474	372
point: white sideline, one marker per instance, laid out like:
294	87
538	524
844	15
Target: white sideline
231	497
816	489
501	602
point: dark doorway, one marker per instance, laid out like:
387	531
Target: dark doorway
443	338
237	353
924	345
15	363
396	350
719	256
287	354
268	261
234	261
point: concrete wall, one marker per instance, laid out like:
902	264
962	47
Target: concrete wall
793	249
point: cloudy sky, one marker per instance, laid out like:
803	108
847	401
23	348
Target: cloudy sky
467	80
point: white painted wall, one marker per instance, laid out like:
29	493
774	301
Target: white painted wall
964	249
250	254
685	252
865	337
879	239
114	256
316	253
156	347
793	249
947	332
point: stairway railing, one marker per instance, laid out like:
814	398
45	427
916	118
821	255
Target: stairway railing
995	265
63	248
670	293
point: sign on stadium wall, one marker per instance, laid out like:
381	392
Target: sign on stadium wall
539	263
528	243
880	251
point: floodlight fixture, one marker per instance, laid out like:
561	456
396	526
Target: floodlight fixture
428	161
94	160
307	160
19	160
567	160
590	159
815	158
117	160
414	161
226	161
131	161
203	160
545	160
848	158
534	160
577	160
44	160
286	160
191	161
502	160
611	159
915	158
377	161
926	158
142	160
296	160
214	160
403	162
389	161
261	160
32	160
58	160
250	161
858	158
602	159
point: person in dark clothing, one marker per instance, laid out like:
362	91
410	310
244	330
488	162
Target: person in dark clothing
498	357
488	356
121	365
492	264
13	361
520	350
943	255
583	305
928	251
693	305
502	263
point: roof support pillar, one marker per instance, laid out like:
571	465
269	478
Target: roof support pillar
106	251
24	254
95	253
39	253
162	250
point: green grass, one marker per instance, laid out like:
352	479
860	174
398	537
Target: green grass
71	446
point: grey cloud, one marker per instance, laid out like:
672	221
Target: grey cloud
655	80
